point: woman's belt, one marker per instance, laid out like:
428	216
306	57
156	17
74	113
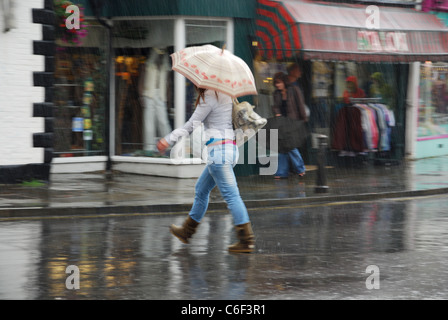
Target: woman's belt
217	142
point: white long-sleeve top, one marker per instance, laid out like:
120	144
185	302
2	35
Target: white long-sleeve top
216	115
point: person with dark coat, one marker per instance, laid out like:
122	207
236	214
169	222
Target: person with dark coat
289	105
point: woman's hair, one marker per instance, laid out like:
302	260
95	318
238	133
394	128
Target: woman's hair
280	76
201	94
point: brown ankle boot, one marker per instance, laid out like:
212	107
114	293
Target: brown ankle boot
186	231
246	243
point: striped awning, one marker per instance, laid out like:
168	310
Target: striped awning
329	31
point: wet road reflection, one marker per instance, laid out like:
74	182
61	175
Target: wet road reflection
314	252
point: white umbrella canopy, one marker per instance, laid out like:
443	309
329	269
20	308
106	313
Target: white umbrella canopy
217	69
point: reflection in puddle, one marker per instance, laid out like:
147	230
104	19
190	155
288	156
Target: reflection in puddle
302	253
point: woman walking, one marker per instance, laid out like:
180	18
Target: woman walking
288	102
214	109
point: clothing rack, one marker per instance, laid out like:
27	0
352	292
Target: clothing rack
376	155
365	100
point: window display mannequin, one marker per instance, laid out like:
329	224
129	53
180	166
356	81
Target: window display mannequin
263	100
154	96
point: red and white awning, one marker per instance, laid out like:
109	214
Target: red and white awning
326	31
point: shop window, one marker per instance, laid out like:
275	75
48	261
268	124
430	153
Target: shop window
374	81
365	106
433	103
144	108
200	32
144	81
326	91
79	90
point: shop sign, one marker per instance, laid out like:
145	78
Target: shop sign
382	41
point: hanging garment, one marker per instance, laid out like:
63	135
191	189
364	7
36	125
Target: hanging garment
383	144
374	121
347	132
373	128
365	125
389	119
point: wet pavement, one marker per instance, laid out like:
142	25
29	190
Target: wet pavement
388	220
383	249
99	193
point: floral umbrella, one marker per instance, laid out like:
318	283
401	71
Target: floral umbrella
217	69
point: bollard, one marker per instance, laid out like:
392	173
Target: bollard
321	179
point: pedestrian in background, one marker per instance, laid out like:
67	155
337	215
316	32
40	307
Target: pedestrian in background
214	109
294	74
289	103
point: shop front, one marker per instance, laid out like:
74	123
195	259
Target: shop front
355	70
432	121
80	87
150	99
432	116
120	118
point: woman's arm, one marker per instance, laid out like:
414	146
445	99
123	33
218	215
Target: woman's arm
201	112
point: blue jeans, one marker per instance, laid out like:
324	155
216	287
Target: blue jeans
219	172
283	163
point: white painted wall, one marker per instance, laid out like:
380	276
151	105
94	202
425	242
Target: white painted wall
17	92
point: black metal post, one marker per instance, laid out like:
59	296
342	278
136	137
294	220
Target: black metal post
97	6
321	179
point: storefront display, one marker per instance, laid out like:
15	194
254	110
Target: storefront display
144	82
326	87
432	115
433	106
321	85
79	95
335	45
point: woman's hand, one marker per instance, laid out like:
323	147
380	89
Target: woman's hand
162	145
